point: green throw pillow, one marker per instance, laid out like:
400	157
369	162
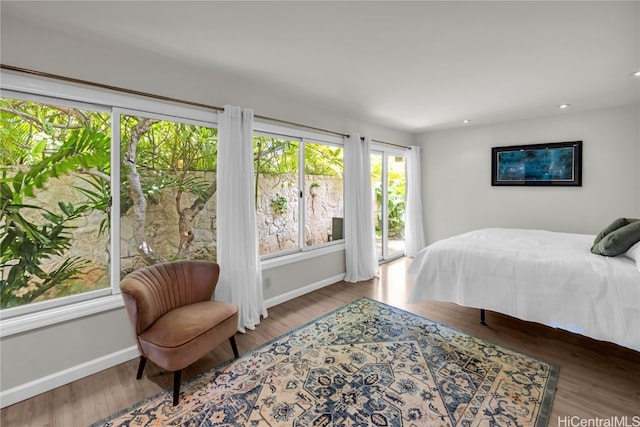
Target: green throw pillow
618	241
620	222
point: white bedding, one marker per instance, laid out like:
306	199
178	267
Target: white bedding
535	275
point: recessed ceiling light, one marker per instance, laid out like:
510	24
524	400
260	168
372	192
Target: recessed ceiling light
466	121
564	106
636	73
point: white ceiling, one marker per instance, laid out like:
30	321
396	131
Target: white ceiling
413	66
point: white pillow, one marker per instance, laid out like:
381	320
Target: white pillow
634	254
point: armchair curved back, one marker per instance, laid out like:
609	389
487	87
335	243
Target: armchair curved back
174	319
153	291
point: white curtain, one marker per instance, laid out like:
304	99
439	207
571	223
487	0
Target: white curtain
414	232
240	273
360	242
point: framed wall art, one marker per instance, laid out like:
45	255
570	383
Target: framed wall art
553	164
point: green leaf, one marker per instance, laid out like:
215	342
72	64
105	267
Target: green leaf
18	180
66	208
39	147
38	181
56	219
28	191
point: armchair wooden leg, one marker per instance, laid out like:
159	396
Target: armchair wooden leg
234	347
176	386
143	362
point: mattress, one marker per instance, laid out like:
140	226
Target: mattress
535	275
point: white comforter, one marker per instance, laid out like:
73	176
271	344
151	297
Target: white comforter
540	276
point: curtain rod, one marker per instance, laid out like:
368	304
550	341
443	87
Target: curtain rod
388	143
154	96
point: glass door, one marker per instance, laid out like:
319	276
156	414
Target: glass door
377	192
388	186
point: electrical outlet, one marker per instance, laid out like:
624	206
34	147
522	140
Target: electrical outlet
266	283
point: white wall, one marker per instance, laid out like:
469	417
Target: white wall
71	55
35	361
456	168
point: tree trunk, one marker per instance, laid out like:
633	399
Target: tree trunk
137	196
187	215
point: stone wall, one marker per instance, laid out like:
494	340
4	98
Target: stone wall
87	243
161	229
279	230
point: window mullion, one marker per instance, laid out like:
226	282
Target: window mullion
302	206
114	247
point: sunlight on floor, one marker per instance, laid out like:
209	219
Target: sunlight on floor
395	272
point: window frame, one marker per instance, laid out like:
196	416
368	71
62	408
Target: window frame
302	136
38	88
50	304
303	183
116	178
21	319
385	150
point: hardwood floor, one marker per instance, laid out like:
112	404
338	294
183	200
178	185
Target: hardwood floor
597	380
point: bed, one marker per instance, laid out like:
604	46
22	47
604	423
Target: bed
541	276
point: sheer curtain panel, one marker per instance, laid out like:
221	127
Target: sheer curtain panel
360	242
240	274
414	231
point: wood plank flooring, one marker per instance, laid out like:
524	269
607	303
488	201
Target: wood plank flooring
597	379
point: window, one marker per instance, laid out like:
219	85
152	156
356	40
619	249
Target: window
277	193
388	181
54	223
324	198
297	207
61	218
167	191
96	184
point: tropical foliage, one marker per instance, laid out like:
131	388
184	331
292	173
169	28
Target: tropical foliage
280	156
396	196
158	155
43	142
159	159
277	165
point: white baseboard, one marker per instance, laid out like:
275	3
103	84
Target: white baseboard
41	385
301	291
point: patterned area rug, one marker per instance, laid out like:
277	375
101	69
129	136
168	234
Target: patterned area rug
365	364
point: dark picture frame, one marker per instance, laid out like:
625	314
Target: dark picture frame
552	164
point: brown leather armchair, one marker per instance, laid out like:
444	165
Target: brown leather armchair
174	319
